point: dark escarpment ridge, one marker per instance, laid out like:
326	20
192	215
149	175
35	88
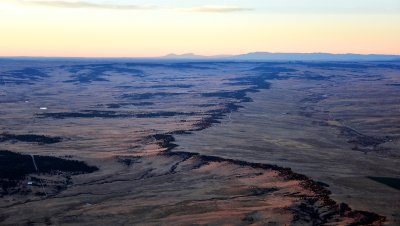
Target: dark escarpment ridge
316	209
111	114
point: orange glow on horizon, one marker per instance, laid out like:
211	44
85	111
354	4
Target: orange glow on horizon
50	32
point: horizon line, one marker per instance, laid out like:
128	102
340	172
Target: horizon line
197	55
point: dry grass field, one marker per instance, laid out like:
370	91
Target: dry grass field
118	142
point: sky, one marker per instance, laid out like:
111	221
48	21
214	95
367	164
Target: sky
147	28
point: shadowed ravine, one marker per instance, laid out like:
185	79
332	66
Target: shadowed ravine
311	205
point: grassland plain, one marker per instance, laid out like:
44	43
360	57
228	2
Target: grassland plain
178	142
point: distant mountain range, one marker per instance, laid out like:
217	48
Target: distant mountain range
193	56
266	56
255	56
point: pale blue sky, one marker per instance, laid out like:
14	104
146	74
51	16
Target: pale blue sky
300	6
270	6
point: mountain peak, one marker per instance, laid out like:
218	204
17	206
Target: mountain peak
185	55
270	56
